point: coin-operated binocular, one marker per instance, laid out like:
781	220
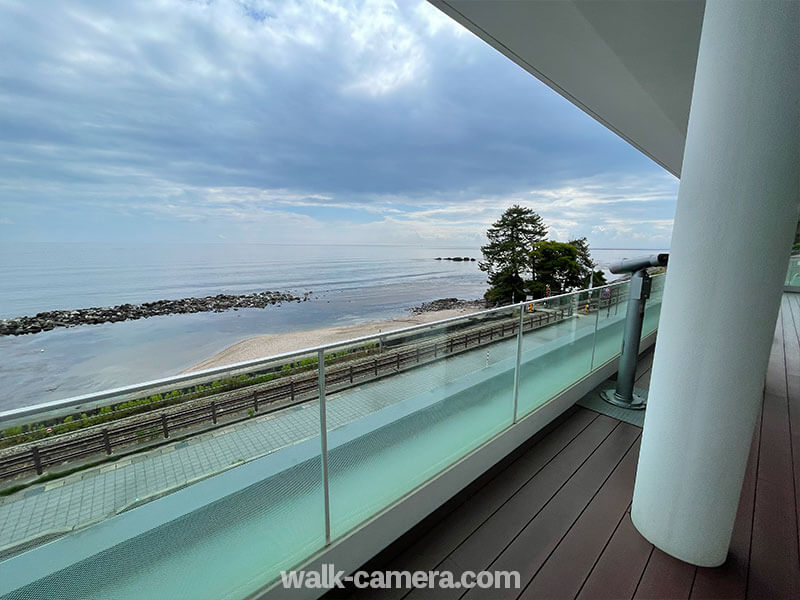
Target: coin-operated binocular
624	395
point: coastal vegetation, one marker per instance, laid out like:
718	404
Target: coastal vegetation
12	436
521	262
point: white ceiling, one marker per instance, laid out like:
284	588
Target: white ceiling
628	63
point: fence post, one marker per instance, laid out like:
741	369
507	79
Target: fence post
214	411
106	441
594	341
255	402
516	368
37	459
323	436
291	389
164	425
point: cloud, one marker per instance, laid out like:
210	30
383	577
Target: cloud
374	120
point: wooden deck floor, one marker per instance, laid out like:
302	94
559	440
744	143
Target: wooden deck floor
559	512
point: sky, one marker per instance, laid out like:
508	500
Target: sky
295	122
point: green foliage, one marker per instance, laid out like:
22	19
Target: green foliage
598	279
10	431
586	264
505	286
555	264
506	258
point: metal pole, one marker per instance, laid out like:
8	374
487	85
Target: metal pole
323	436
639	291
594	342
519	356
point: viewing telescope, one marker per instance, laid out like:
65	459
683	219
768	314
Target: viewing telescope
624	395
629	265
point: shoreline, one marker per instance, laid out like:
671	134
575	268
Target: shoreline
271	344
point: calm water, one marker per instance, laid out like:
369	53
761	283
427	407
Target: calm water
350	284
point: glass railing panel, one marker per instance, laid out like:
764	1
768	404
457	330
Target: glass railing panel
425	400
223	536
229	417
231	492
793	272
613	305
557	342
652	309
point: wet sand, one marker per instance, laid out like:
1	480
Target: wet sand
270	345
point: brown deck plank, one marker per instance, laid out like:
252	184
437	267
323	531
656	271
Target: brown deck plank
434	546
489	540
730	580
536	540
563	573
791	328
619	568
773	553
665	577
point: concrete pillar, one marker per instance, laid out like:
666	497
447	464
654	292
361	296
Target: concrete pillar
734	223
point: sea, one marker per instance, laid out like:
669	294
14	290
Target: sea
349	284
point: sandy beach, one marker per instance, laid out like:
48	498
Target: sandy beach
269	345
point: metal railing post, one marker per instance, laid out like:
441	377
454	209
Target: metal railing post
519	356
323	436
594	342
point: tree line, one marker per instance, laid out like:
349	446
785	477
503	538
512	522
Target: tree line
520	261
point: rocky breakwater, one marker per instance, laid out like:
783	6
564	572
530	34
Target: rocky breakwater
447	304
45	321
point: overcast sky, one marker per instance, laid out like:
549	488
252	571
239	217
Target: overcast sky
309	122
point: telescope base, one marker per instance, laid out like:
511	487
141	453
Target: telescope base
639	401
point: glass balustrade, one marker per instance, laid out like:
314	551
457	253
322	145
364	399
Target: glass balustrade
251	469
793	272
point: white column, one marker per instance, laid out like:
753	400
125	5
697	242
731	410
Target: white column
734	223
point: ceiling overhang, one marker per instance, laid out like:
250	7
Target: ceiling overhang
628	63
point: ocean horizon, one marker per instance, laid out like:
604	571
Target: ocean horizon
350	284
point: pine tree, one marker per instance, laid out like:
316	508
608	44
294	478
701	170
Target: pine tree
587	266
506	258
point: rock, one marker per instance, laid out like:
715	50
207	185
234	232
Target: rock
45	321
447	304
